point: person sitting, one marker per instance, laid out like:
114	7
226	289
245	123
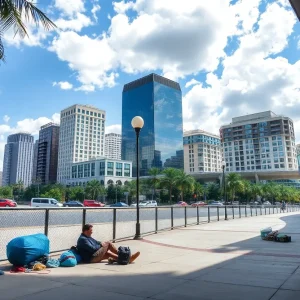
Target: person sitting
93	251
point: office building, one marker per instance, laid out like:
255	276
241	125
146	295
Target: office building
259	142
158	101
18	159
47	156
34	164
106	171
202	152
113	145
298	155
81	137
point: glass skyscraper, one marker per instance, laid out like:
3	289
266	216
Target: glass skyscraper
158	101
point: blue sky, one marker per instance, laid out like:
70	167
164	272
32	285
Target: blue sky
230	58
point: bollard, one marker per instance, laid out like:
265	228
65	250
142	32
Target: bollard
208	214
185	217
156	219
172	219
83	217
114	223
198	215
46	222
240	211
218	212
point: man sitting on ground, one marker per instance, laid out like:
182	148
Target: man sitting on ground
93	251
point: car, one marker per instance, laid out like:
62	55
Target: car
216	203
181	203
73	203
119	204
92	203
45	202
235	203
267	203
7	203
148	203
199	203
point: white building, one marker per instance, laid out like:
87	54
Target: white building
18	159
113	145
106	171
202	152
259	142
81	137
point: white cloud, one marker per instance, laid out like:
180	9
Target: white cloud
113	128
70	7
95	9
251	81
76	23
86	88
191	83
64	85
6	118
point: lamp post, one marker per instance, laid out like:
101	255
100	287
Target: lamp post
137	123
224	188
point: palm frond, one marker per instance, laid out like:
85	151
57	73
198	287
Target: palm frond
2	55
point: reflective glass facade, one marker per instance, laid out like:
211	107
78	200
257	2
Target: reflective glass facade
159	102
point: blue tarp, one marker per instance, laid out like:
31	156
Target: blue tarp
25	249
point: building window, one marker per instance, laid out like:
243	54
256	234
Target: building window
102	168
93	170
74	171
119	169
80	171
110	168
127	170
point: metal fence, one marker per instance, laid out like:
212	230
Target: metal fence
63	225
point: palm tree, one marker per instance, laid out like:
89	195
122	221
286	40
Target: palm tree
199	189
234	184
169	180
94	189
184	182
14	12
154	180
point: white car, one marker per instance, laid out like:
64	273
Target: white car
148	203
45	202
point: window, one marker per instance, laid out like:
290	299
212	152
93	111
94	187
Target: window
87	168
119	169
102	168
127	170
93	169
80	171
74	171
110	168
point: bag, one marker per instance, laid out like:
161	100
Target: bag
283	238
265	232
67	259
38	267
25	249
124	255
53	263
76	254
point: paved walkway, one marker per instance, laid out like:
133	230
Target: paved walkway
221	260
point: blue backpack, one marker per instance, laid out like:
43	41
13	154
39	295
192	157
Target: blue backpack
68	259
124	255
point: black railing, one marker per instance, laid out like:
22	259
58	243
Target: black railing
63	225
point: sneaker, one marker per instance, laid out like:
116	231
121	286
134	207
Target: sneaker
134	257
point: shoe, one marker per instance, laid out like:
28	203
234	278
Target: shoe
134	257
110	261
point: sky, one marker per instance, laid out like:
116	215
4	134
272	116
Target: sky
231	58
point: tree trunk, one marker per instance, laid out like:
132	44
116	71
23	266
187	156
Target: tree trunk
182	195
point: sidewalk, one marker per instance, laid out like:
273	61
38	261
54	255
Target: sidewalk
224	260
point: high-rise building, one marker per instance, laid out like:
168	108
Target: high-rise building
158	101
47	156
113	145
81	137
18	159
202	152
34	164
298	155
261	141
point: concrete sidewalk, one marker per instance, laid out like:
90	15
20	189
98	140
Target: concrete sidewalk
222	260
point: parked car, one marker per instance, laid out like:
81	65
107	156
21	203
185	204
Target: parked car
92	203
267	203
148	203
7	203
199	203
119	204
73	203
45	202
216	203
181	203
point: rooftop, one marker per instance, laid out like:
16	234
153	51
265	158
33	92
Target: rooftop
199	131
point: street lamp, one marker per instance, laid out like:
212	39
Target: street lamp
137	123
224	188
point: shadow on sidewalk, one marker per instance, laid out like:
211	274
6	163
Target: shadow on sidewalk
260	270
